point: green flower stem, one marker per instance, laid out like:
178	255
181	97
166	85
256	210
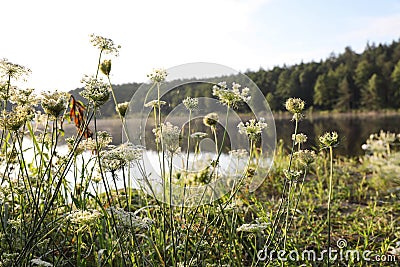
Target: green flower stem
116	105
329	201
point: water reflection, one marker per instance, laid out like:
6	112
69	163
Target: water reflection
353	129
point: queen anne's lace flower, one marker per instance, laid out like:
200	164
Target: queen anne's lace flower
78	149
14	119
211	119
305	157
252	128
120	156
8	69
198	135
122	108
231	97
252	227
294	105
23	97
84	217
55	103
105	45
103	139
239	153
42	263
329	139
95	91
191	103
169	135
299	138
157	75
155	103
130	220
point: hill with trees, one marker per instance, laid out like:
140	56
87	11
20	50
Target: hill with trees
344	82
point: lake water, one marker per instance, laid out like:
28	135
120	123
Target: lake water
353	129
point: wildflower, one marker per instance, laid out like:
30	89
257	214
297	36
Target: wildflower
155	103
252	227
231	97
294	105
365	147
305	157
130	220
5	91
198	135
122	108
239	153
78	149
211	119
191	103
23	97
83	217
54	103
103	139
169	135
299	138
95	91
40	262
105	45
105	67
14	119
121	156
8	69
329	139
157	75
292	175
252	128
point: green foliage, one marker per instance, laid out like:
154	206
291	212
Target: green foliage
341	82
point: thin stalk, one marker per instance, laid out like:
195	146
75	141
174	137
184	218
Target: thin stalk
329	202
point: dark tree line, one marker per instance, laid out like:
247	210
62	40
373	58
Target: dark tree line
370	80
343	82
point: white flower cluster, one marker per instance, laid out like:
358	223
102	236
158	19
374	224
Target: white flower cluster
41	263
103	140
169	135
239	153
8	69
130	220
299	138
191	103
305	157
231	96
23	97
83	217
329	139
95	91
14	119
154	103
198	135
105	45
157	75
252	128
252	227
55	103
118	157
380	142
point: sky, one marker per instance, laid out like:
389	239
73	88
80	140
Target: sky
52	37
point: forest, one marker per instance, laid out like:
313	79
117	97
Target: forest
342	82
